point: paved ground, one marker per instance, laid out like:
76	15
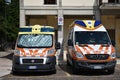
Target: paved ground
65	73
5	66
6	63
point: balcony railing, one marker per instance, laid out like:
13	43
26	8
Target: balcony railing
110	6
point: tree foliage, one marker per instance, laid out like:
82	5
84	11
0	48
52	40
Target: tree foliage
12	19
9	21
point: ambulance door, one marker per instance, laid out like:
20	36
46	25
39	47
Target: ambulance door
70	47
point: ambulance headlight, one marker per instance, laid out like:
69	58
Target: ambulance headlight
113	55
51	51
17	52
79	55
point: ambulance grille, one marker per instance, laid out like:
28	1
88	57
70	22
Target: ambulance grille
97	56
28	61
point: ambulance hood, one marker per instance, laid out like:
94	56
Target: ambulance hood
95	49
34	52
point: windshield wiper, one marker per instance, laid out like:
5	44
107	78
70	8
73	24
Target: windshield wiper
83	45
20	46
105	45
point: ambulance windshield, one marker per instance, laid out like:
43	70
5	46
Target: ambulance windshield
35	40
89	37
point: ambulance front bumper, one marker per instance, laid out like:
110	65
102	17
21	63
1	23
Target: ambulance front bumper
94	65
34	64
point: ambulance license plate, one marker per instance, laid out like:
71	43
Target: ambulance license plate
97	67
32	67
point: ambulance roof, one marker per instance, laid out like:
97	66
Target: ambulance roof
87	25
36	29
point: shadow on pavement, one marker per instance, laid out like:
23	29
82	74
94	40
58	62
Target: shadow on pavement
69	70
9	56
33	73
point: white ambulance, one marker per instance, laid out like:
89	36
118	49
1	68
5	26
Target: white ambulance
35	49
90	47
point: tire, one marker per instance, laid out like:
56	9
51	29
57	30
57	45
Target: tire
68	64
111	71
54	72
15	72
74	70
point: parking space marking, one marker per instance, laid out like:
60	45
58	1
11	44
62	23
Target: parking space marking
118	61
68	74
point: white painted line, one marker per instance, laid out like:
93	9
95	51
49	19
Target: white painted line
118	61
64	55
68	74
57	56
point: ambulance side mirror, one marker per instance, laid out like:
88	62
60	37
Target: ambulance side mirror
70	43
113	43
57	45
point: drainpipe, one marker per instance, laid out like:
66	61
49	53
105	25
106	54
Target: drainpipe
97	10
61	52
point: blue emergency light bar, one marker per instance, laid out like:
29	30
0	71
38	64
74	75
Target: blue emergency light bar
80	22
41	30
97	23
25	30
47	29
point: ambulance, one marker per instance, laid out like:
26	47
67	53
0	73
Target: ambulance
35	49
90	47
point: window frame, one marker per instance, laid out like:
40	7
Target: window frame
48	3
113	1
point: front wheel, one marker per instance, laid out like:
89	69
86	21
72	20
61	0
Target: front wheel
15	72
111	71
68	63
74	70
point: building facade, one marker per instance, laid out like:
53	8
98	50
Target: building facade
61	13
110	17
